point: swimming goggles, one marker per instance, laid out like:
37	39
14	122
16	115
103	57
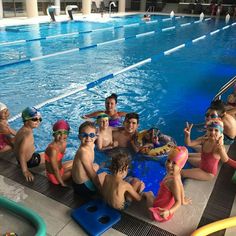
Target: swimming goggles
36	119
86	135
61	132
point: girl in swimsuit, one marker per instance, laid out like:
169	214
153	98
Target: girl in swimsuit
57	172
114	115
171	193
213	151
6	132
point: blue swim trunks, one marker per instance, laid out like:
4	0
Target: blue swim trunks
86	190
228	140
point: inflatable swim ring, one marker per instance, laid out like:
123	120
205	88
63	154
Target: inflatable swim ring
157	151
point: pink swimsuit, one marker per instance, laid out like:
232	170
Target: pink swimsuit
164	199
51	177
209	163
3	141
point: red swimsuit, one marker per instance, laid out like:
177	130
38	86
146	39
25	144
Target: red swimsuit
164	199
51	177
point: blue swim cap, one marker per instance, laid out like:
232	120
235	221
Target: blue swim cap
29	113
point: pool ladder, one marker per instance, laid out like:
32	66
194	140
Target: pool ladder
224	88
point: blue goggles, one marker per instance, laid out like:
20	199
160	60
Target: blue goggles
86	135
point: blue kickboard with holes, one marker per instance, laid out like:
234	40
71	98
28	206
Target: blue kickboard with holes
95	217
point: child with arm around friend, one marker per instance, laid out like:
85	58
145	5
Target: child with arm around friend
171	193
56	171
85	180
212	152
7	134
116	191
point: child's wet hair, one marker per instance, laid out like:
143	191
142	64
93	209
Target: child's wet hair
86	124
112	96
132	115
218	105
119	162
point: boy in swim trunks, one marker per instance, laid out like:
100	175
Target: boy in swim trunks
56	171
171	193
117	192
24	148
85	180
212	152
105	138
228	118
6	132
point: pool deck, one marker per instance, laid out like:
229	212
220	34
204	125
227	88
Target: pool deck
212	201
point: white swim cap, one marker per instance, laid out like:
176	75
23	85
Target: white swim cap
2	106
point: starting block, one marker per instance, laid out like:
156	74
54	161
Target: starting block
96	217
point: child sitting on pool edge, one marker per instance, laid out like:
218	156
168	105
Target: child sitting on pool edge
85	180
213	150
116	191
56	171
171	193
6	132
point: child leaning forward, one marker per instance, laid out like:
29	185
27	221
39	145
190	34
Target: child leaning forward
171	193
116	191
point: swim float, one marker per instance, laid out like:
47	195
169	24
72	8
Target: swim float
158	151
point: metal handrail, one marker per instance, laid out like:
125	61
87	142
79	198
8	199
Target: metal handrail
224	88
151	9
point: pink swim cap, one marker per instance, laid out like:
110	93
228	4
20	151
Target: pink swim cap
178	154
61	125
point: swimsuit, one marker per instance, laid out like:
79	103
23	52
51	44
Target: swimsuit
115	122
164	199
228	140
49	170
3	141
86	190
34	161
209	163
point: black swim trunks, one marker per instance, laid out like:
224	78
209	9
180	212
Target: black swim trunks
84	190
34	161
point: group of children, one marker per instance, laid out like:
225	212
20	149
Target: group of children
115	187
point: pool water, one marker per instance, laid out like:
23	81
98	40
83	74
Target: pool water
166	92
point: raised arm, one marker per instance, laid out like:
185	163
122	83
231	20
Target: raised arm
91	115
187	134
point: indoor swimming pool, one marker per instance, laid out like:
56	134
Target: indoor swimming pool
167	70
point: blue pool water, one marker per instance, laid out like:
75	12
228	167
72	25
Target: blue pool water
166	92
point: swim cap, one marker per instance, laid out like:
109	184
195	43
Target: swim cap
102	115
29	113
61	125
2	106
215	123
178	154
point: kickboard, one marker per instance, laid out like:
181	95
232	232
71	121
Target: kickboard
95	217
